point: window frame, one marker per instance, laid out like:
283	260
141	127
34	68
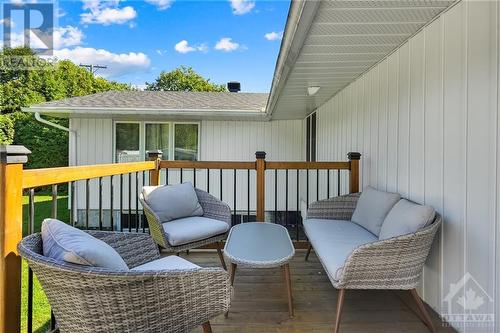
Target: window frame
142	136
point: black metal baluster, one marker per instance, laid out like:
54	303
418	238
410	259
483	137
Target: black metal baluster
298	209
338	182
31	229
142	215
166	176
182	175
248	195
111	203
220	176
87	203
234	192
129	202
328	183
307	188
208	180
137	202
100	203
194	177
54	216
275	195
121	201
317	184
286	197
72	203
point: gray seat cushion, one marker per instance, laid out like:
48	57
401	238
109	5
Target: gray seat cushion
406	217
65	243
372	208
334	241
171	202
166	263
191	229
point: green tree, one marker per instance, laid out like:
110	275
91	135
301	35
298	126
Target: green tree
183	79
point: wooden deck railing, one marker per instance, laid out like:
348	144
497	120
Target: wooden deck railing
14	181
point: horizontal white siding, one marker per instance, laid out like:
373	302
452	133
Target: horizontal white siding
426	123
219	141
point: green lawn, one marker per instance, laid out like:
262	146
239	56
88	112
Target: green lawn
41	308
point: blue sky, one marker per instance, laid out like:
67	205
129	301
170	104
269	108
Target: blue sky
223	40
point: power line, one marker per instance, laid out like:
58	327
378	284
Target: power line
93	68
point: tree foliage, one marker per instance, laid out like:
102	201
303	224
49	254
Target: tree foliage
26	79
183	79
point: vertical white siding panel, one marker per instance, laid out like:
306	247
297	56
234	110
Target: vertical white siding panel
481	66
374	115
433	152
404	120
366	162
382	124
392	122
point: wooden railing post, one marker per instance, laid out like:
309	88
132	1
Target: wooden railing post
12	159
260	166
354	171
154	175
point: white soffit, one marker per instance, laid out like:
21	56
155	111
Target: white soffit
344	40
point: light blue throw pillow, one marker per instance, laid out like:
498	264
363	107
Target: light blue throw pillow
65	243
372	208
406	217
172	202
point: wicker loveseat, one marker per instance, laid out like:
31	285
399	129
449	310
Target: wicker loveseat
213	209
93	299
356	259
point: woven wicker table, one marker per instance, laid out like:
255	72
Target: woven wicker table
261	245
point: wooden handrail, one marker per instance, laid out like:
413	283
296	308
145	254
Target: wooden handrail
308	165
49	176
207	165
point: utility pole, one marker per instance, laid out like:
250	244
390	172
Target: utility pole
93	68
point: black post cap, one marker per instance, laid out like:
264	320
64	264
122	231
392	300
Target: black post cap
154	153
13	154
260	154
353	156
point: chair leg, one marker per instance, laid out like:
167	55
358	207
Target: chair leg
308	251
340	303
421	307
232	273
206	327
221	257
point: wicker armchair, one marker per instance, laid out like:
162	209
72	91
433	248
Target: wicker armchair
394	263
92	299
212	208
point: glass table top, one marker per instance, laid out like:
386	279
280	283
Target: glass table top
259	242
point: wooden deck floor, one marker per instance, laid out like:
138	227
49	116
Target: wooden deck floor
259	303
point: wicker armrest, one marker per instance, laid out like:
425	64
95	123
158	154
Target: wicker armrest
154	223
394	263
337	208
135	248
214	208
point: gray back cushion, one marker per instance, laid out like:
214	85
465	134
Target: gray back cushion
406	217
173	202
372	208
62	242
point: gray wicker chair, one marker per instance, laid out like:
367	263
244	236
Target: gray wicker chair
212	208
394	263
92	299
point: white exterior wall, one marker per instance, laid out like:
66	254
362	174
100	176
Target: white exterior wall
219	141
426	122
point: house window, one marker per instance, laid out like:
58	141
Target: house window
179	141
311	138
127	142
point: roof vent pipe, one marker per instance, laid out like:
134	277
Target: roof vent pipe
233	86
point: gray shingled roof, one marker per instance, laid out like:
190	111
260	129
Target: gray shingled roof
163	100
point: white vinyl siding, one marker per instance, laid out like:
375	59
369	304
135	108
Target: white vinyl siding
427	125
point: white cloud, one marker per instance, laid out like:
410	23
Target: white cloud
106	12
184	47
161	4
118	64
227	45
241	7
67	36
274	35
7	22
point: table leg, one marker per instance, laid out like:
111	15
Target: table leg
288	282
233	272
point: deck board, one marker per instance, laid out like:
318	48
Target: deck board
259	303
